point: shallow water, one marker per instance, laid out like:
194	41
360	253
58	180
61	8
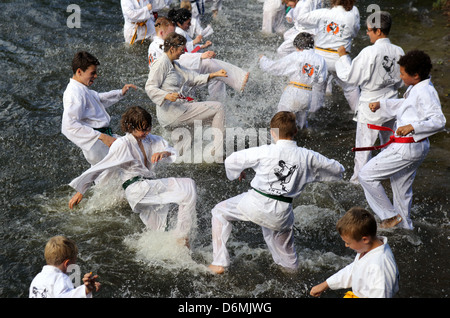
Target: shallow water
36	48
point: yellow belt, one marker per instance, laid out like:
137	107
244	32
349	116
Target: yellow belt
325	50
350	294
138	24
300	85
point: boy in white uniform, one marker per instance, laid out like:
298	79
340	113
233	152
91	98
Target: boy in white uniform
202	63
53	282
85	121
305	69
374	272
138	20
419	115
282	171
136	156
297	8
376	71
335	27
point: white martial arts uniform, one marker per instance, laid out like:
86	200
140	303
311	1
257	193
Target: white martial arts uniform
399	162
150	197
84	110
196	28
305	69
377	73
51	282
281	169
137	18
375	275
274	13
335	27
235	79
302	7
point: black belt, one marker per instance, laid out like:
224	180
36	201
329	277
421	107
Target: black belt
129	182
275	197
105	130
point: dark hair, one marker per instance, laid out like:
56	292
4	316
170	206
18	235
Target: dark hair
286	124
82	60
347	4
416	62
175	40
134	118
356	223
304	40
179	15
385	22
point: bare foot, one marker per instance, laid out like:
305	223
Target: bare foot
391	222
245	81
216	269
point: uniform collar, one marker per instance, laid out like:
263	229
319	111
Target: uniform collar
286	143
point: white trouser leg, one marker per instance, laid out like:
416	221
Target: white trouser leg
281	246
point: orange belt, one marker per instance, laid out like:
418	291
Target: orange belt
300	85
350	294
138	24
402	140
326	50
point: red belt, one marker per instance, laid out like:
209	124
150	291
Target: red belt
402	140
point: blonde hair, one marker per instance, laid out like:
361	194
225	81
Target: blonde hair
58	249
162	23
186	4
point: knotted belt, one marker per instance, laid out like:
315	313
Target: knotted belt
138	24
393	138
300	85
129	182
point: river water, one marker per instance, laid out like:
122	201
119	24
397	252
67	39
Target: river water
36	48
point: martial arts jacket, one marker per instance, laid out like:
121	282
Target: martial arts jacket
135	11
190	46
377	73
192	61
51	282
166	77
334	27
305	67
303	7
85	109
281	169
126	157
420	107
375	275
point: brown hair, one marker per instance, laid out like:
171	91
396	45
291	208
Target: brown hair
174	40
347	4
58	249
356	223
286	124
163	23
82	60
135	118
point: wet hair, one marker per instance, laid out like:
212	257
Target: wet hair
179	16
416	62
304	40
82	60
286	124
163	23
175	40
58	249
383	18
347	4
135	118
356	223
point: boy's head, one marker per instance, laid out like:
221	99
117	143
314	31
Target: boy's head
356	224
82	60
291	3
59	249
164	26
416	63
304	41
380	20
136	118
283	125
180	16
